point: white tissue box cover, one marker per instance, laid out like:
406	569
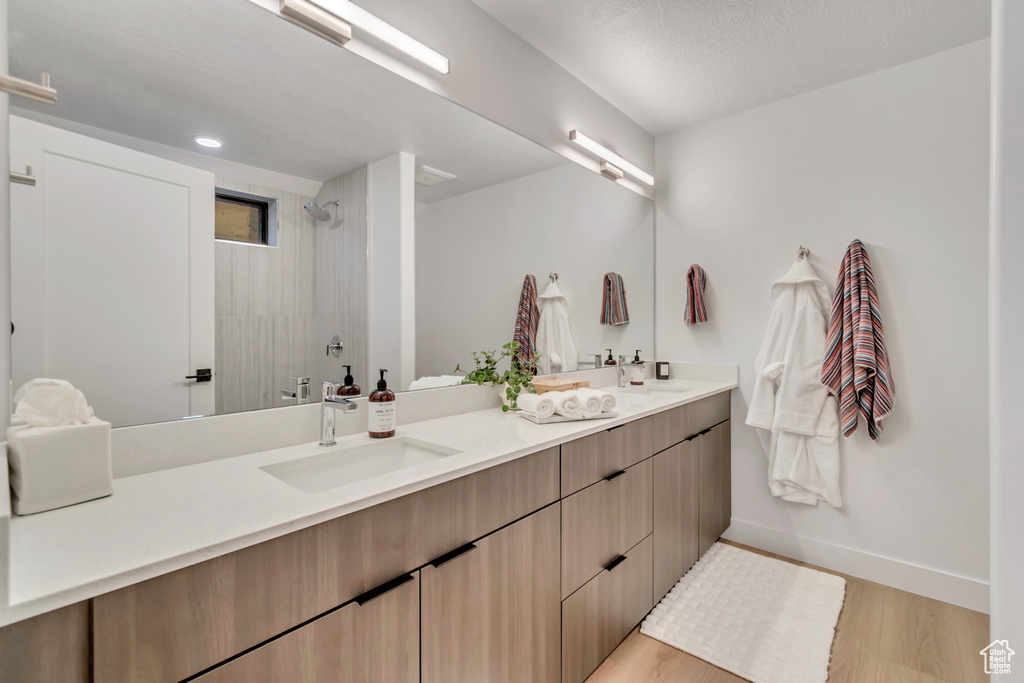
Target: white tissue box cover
56	466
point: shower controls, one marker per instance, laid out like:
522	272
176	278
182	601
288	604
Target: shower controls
335	347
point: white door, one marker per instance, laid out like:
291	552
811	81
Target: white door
112	274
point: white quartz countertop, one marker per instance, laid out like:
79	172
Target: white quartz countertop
162	521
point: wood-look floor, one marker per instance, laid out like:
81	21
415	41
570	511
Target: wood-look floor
884	635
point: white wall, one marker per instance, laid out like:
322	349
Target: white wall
898	159
391	188
1007	323
473	251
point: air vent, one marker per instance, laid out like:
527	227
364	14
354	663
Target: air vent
425	175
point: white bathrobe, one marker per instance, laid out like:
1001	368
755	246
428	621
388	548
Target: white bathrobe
554	338
789	399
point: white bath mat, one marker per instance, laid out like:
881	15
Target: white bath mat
763	619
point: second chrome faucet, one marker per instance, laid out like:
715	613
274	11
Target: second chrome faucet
330	402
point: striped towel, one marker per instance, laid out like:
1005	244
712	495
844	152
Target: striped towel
526	321
856	368
696	310
613	307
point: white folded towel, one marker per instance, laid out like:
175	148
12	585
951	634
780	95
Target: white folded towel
38	382
567	403
53	406
607	401
540	405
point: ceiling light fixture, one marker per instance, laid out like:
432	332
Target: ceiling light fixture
316	19
207	142
381	30
610	157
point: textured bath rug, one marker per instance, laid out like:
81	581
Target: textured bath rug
763	619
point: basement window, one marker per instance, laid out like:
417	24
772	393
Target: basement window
246	218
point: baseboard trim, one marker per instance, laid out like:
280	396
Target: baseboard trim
931	583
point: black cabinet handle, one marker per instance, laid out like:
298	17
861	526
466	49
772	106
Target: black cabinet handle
612	429
448	557
380	590
613	475
615	563
202	375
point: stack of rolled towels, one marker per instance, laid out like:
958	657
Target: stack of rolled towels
58	451
575	404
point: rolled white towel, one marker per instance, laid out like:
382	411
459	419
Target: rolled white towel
567	404
590	400
537	404
605	401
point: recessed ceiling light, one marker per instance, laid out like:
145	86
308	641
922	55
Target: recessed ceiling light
207	142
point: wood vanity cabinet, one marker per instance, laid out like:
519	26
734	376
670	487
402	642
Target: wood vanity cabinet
492	612
47	648
532	570
179	624
373	638
676	509
715	476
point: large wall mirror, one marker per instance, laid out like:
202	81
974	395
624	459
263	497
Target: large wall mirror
330	169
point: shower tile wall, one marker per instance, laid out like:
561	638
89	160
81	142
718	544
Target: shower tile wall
340	300
276	308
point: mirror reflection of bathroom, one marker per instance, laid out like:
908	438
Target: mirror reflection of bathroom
241	239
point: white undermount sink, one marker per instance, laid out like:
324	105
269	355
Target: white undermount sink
658	388
341	466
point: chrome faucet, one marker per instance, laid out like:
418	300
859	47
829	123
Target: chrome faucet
298	390
330	401
621	369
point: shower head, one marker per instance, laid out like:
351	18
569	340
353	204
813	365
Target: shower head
319	211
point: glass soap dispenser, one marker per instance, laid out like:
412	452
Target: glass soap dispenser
350	388
381	416
610	360
636	371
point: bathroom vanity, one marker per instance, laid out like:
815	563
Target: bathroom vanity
526	555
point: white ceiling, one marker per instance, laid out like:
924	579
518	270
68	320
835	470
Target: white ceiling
668	64
279	97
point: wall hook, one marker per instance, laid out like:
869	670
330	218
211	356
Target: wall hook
802	253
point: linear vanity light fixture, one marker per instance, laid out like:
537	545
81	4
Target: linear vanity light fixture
610	157
381	30
311	16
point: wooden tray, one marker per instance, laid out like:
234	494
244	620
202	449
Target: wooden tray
559	384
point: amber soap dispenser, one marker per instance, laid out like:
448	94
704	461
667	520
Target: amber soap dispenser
636	371
350	388
381	417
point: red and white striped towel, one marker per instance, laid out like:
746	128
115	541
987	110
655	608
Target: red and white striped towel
613	305
856	367
527	319
696	309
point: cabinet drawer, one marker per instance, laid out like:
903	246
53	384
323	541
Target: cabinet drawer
178	624
672	426
377	641
715	476
594	457
599	615
602	521
492	613
50	647
676	496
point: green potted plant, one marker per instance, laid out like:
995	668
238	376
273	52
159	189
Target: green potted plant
513	381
